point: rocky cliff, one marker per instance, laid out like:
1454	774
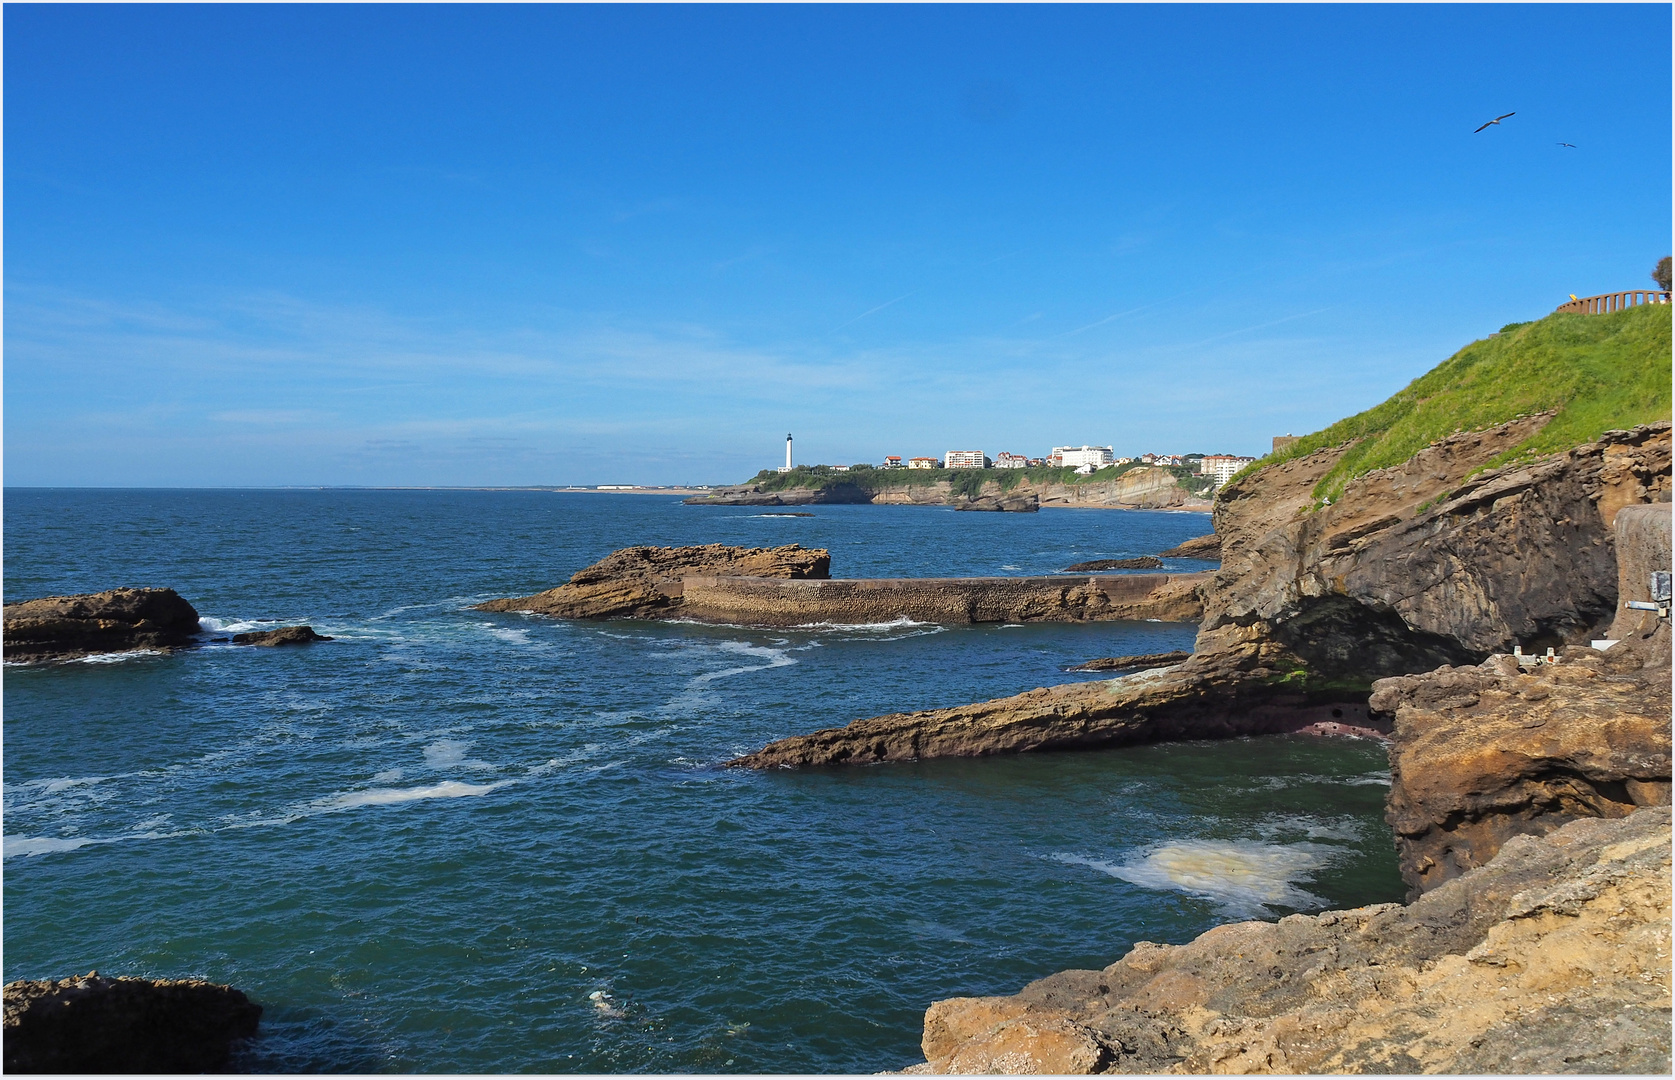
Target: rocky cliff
1482	754
116	620
1443	559
94	1024
1552	958
644	582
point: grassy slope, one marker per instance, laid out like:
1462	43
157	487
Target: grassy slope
1598	372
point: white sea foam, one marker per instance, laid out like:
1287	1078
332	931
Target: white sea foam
115	657
1244	878
46	845
209	624
448	789
450	753
775	658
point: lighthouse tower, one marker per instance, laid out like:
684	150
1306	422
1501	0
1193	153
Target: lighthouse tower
787	467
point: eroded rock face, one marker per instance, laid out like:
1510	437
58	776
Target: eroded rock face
1482	754
94	1024
112	621
1553	957
1426	564
642	582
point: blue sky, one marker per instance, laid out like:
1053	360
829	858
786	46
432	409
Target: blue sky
527	245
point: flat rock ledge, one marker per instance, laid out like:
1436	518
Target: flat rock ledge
95	1024
117	620
1239	691
1199	547
1552	958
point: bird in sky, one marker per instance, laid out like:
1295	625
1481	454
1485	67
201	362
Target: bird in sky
1495	121
1569	144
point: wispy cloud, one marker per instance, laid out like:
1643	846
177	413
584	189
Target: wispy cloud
871	311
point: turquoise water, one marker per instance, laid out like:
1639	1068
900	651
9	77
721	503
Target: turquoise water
451	841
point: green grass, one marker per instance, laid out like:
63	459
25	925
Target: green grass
1596	372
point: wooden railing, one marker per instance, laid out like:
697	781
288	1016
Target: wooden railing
1614	301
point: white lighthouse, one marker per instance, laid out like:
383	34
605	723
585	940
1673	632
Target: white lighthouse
787	467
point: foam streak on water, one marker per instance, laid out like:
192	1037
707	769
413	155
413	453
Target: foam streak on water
425	846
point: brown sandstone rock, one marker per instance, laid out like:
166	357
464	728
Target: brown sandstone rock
1553	957
1202	547
641	582
94	1024
1239	691
110	621
284	635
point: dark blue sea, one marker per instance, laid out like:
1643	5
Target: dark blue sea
456	842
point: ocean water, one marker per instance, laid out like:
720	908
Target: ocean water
457	842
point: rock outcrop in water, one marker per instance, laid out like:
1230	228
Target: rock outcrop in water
1143	562
644	582
1010	504
284	635
1200	547
117	620
1208	697
94	1024
1552	958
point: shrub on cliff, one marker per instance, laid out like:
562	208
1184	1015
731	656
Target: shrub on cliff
1660	273
1595	372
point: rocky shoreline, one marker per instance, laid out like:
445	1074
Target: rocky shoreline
96	1024
1142	488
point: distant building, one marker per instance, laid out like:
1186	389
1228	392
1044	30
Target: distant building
1004	460
965	459
1223	466
1036	462
1148	459
1074	457
893	461
787	466
840	468
1283	441
923	463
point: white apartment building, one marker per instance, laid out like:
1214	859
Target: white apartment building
1004	460
1074	457
965	459
923	463
1222	466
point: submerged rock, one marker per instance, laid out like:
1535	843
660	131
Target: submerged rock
116	620
644	582
1143	562
284	635
1551	958
94	1024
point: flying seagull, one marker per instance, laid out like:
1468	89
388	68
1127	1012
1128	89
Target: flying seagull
1495	121
1569	144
